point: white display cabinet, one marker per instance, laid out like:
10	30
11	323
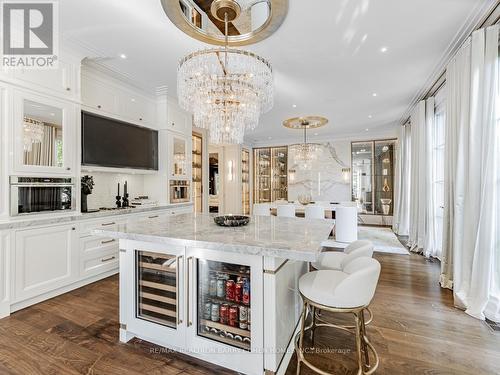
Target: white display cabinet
44	134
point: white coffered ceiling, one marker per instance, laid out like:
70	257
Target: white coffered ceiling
327	56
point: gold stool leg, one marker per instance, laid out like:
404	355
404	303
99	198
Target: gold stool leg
359	339
301	337
363	342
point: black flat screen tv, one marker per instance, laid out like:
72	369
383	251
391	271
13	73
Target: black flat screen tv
111	143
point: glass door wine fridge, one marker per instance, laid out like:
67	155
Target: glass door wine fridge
152	302
226	313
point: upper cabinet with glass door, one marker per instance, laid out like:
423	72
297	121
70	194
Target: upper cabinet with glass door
180	158
44	133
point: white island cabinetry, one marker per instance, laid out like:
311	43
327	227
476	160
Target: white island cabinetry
228	296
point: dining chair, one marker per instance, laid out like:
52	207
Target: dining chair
286	210
262	209
314	212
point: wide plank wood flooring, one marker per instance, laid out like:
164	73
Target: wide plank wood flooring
416	330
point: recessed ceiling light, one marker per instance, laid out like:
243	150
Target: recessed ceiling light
366	129
269	137
294	105
370	116
52	114
315	133
383	49
132	100
123	56
374	94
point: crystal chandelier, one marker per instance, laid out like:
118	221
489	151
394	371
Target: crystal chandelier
33	132
226	89
305	153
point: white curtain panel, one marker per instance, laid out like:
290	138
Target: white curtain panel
470	242
402	207
423	205
417	177
457	118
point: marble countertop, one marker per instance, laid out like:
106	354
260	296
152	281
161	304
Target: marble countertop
49	219
281	237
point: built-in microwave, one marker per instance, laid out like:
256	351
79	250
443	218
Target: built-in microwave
37	195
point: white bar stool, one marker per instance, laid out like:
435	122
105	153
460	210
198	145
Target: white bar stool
314	212
350	291
286	210
337	260
262	209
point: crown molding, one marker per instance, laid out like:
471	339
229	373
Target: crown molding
475	19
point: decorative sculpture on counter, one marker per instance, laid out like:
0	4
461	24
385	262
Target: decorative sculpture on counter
125	202
118	198
87	186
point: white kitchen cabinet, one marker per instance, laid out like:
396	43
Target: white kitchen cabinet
98	96
136	108
44	133
117	99
178	120
153	302
63	81
46	259
5	274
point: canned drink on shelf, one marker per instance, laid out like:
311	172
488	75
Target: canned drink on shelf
224	313
207	310
246	292
233	316
221	288
212	289
243	317
238	292
215	312
230	290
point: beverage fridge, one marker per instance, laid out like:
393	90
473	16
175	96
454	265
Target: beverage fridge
224	308
225	305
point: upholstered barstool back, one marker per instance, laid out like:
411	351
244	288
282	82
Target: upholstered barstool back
336	260
286	210
356	244
262	209
314	212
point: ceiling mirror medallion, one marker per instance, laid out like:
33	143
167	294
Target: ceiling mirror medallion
250	21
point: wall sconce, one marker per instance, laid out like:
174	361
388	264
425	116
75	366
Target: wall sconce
346	174
230	174
291	175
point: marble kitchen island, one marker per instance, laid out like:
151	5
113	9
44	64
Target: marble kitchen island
228	296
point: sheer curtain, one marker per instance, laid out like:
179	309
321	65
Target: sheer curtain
472	165
417	177
402	207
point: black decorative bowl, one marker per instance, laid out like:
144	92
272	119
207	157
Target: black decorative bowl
232	220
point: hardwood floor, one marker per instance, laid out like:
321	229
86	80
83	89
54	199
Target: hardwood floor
416	330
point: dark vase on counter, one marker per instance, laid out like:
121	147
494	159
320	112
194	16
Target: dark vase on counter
87	186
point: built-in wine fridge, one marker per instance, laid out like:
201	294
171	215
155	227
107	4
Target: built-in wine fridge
157	283
224	308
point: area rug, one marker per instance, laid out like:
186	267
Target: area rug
384	240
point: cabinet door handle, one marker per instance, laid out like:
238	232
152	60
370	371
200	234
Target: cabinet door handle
68	168
103	260
188	319
106	224
153	217
68	89
179	320
108	241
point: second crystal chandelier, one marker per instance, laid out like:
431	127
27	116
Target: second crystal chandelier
226	89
